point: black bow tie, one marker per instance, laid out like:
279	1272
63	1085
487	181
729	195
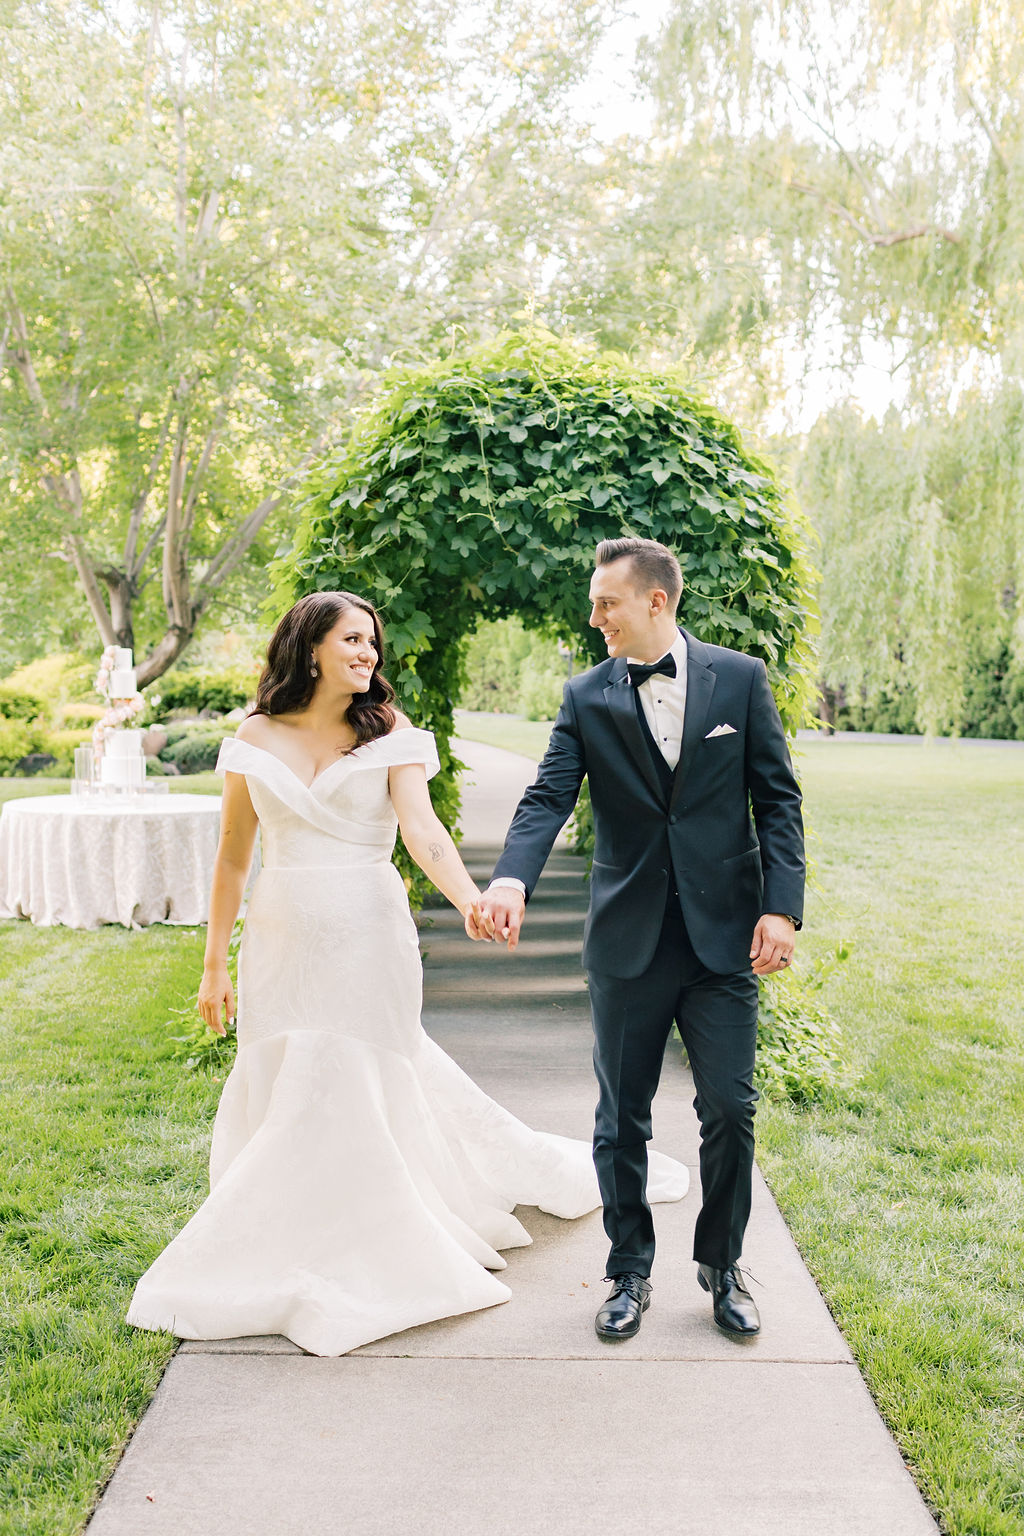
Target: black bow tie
639	674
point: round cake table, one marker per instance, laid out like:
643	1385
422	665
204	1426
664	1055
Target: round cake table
87	860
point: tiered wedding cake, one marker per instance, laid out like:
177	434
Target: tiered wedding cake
123	682
122	764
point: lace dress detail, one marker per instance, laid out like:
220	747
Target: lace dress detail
360	1182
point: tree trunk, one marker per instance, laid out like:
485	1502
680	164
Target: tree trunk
165	653
122	592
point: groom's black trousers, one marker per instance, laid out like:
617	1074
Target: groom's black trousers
717	1018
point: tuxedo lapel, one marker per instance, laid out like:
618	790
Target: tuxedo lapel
700	685
619	697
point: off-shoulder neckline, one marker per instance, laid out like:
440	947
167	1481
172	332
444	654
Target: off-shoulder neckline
399	730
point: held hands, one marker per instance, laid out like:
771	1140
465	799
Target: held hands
475	922
772	946
216	993
498	915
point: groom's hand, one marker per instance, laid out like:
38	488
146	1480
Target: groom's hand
504	908
773	943
477	924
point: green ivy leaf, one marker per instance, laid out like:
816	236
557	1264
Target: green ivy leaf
703	463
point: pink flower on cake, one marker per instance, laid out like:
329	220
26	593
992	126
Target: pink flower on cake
107	661
119	714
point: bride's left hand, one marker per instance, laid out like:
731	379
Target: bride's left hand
216	996
478	923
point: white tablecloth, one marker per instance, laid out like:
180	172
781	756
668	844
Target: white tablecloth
87	860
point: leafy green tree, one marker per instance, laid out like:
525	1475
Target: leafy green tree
478	488
218	222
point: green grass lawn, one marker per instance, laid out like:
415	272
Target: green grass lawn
905	1195
907	1201
529	737
103	1148
103	1145
187	784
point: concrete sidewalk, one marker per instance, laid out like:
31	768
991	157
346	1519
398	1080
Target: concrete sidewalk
519	1416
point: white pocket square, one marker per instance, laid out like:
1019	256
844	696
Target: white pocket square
721	730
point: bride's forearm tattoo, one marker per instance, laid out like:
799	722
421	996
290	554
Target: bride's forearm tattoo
436	852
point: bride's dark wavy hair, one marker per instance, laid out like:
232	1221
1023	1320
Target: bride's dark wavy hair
285	683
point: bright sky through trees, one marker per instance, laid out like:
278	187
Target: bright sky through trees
614	103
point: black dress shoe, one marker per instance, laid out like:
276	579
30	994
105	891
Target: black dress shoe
628	1300
734	1307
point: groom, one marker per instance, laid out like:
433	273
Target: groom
696	891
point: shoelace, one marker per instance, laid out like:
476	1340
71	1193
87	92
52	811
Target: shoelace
629	1285
741	1271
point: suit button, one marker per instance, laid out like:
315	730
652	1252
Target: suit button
673	818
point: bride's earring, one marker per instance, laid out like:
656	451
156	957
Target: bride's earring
314	670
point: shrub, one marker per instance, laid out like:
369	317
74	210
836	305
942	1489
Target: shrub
540	689
993	689
512	669
1015	699
198	689
798	1047
66	676
61	745
17	739
892	712
993	696
177	730
15	705
80	715
580	831
195	749
197	1047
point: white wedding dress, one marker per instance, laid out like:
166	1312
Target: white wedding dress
360	1182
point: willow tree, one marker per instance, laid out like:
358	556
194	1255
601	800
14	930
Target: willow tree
922	552
854	165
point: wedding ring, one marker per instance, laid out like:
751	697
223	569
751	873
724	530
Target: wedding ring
783	961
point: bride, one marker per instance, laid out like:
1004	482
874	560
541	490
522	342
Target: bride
360	1182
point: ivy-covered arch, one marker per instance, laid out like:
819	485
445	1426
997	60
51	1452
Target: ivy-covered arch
478	487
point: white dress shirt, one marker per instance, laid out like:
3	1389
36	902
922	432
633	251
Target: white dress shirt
663	700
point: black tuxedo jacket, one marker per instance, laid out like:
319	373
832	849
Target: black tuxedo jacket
729	834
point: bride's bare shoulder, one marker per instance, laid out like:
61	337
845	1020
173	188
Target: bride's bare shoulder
256	729
402	722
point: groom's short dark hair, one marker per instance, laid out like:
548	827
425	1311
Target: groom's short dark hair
653	564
